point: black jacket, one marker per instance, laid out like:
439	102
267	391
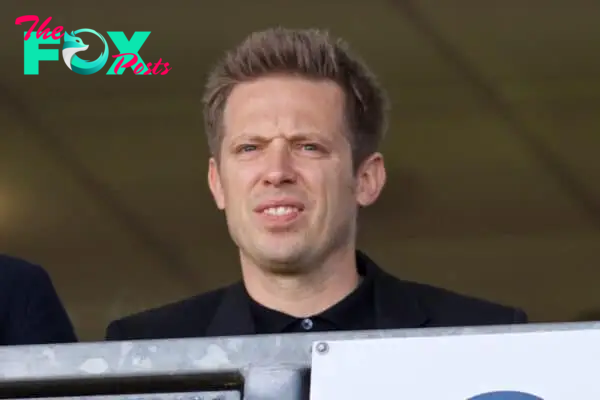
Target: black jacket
398	304
30	309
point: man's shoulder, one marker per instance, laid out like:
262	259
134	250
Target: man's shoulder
445	307
179	319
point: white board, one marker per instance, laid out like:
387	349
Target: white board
561	365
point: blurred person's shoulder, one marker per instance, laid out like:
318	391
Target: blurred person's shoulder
18	277
31	311
14	269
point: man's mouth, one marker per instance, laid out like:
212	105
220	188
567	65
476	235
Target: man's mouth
281	210
280	206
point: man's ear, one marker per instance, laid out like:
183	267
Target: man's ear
214	182
370	180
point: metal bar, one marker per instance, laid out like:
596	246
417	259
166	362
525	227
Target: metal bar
261	367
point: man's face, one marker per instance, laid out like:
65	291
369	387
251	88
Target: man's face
285	177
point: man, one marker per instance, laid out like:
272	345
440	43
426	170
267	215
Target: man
30	309
293	123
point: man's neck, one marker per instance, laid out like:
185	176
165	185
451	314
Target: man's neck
304	295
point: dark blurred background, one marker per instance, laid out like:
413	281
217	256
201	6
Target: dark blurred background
494	178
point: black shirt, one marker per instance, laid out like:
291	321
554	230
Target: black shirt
382	301
354	312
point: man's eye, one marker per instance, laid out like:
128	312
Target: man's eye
247	147
310	147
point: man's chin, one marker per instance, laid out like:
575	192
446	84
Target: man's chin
290	262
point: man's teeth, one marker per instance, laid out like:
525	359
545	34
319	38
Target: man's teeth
278	211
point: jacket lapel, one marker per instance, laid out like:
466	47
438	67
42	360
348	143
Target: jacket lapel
396	307
232	317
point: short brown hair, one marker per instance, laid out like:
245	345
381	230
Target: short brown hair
311	53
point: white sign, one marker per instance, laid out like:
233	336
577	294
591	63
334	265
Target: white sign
561	365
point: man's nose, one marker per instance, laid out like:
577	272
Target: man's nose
279	166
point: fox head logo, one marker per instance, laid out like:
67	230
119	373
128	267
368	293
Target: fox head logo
73	44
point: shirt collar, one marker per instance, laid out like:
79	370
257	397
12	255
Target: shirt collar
347	313
393	304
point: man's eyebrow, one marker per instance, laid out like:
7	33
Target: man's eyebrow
294	137
252	137
310	136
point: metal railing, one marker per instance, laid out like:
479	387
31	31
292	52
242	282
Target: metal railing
262	367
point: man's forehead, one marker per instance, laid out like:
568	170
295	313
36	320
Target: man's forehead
275	107
283	112
292	126
272	95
